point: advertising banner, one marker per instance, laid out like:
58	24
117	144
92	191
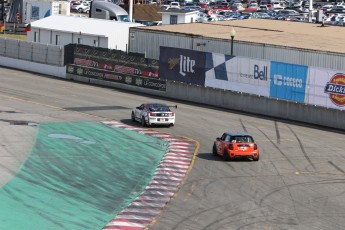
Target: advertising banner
117	61
288	81
148	83
326	88
182	65
238	74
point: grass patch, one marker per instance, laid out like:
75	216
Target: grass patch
14	36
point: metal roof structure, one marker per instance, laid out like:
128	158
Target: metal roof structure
84	25
299	35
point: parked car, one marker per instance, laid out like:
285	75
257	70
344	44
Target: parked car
80	6
253	5
236	8
153	114
232	145
283	14
174	5
261	15
276	4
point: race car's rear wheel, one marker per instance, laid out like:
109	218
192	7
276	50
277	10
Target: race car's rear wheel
256	159
226	155
214	150
132	117
143	122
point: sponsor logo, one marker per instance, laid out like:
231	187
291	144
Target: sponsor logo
70	69
139	81
186	64
85	62
280	80
262	75
126	69
80	71
107	66
114	77
94	74
128	80
159	85
336	89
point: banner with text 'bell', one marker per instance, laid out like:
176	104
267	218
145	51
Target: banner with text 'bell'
182	65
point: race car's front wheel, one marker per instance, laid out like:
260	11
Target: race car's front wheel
132	117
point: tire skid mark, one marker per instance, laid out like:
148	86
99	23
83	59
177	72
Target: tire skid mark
243	126
230	217
274	144
336	167
166	181
277	131
288	189
302	148
320	182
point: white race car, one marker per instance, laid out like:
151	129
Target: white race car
154	114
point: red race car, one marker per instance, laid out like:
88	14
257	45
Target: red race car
236	145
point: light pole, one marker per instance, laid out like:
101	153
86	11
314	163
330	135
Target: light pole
232	35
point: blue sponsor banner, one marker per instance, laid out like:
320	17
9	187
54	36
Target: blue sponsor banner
288	81
182	65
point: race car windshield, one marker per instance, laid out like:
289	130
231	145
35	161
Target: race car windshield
159	108
241	139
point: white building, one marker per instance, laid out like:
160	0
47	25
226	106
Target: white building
63	30
177	16
35	10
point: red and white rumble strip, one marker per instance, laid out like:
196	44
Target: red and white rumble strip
165	182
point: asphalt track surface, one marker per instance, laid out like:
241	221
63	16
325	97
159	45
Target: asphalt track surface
297	184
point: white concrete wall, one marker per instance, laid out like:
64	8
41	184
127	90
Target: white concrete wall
28	66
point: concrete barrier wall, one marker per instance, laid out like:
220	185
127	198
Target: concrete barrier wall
238	101
48	59
32	51
52	70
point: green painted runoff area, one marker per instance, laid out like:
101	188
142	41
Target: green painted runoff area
79	175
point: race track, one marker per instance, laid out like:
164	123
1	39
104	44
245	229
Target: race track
297	184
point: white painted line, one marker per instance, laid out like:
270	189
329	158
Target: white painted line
174	166
174	162
150	198
160	187
167	178
127	224
172	169
140	210
167	173
172	183
136	217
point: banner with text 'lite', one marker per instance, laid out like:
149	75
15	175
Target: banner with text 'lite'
182	65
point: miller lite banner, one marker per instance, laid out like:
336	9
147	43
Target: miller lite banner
326	88
182	65
241	74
